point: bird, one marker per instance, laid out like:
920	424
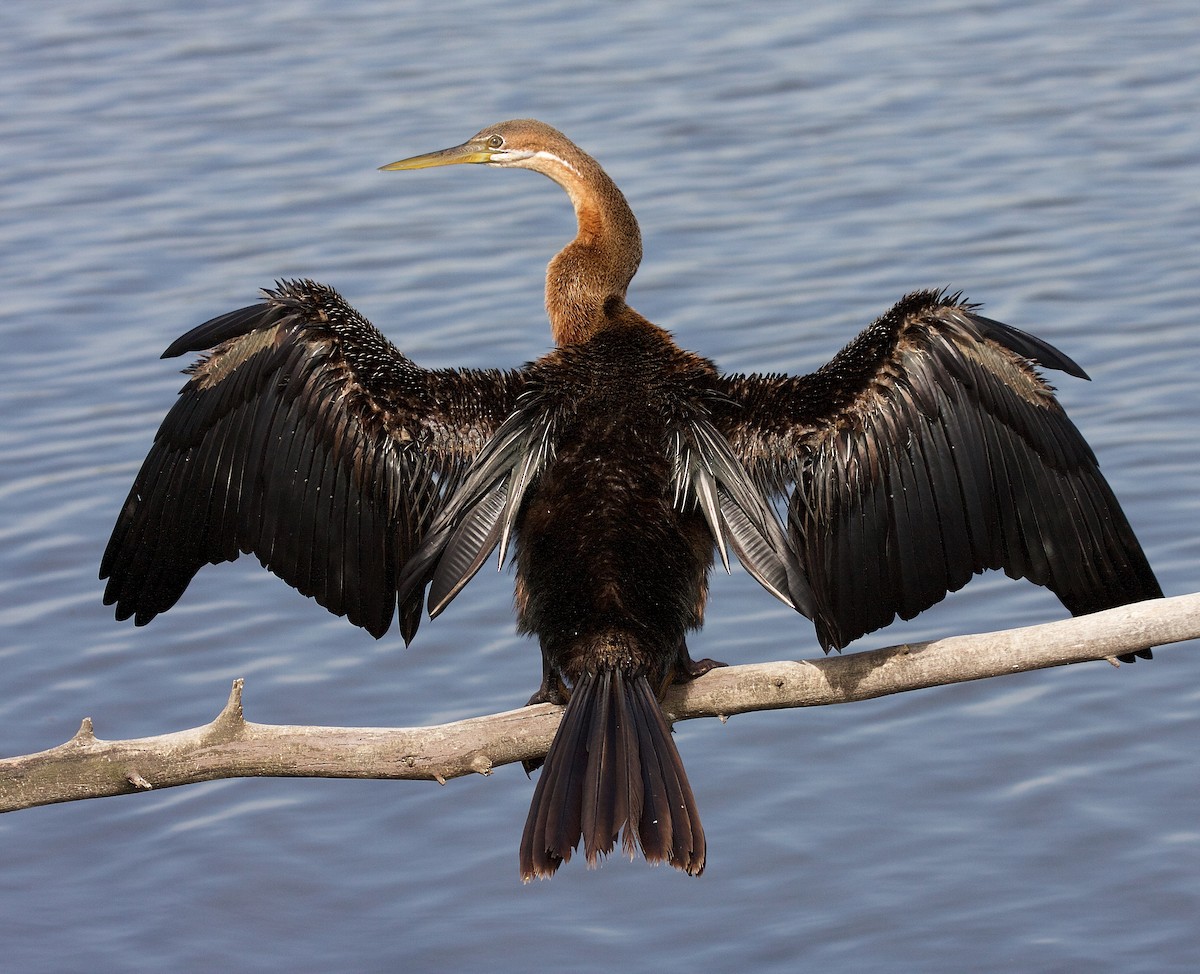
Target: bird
614	471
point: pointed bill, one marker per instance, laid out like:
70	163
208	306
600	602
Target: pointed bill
467	152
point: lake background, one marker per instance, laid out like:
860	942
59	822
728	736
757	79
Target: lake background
796	168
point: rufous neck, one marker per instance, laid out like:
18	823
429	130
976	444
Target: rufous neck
587	280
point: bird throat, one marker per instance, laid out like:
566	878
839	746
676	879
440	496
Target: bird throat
587	280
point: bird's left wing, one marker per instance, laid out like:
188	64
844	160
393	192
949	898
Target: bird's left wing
306	438
927	450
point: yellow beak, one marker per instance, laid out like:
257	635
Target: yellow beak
467	152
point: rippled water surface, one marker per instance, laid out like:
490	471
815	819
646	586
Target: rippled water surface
795	168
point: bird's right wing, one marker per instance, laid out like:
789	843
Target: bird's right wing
306	439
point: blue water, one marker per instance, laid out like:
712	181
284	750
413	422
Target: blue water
796	168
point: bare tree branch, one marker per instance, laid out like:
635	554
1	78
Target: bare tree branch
230	746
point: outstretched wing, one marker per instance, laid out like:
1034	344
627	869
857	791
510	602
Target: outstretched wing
306	439
927	450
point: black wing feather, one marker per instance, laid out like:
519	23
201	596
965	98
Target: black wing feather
927	450
306	439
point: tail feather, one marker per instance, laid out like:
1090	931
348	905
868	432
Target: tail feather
612	770
560	821
669	823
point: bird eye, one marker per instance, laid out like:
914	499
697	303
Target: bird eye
495	142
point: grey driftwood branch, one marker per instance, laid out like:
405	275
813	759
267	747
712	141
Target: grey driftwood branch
230	746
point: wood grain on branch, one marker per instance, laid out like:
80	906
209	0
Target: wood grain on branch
230	746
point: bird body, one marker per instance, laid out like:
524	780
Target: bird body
611	604
927	450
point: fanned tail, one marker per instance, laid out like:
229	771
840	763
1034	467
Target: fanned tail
611	769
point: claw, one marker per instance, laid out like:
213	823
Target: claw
698	667
551	690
